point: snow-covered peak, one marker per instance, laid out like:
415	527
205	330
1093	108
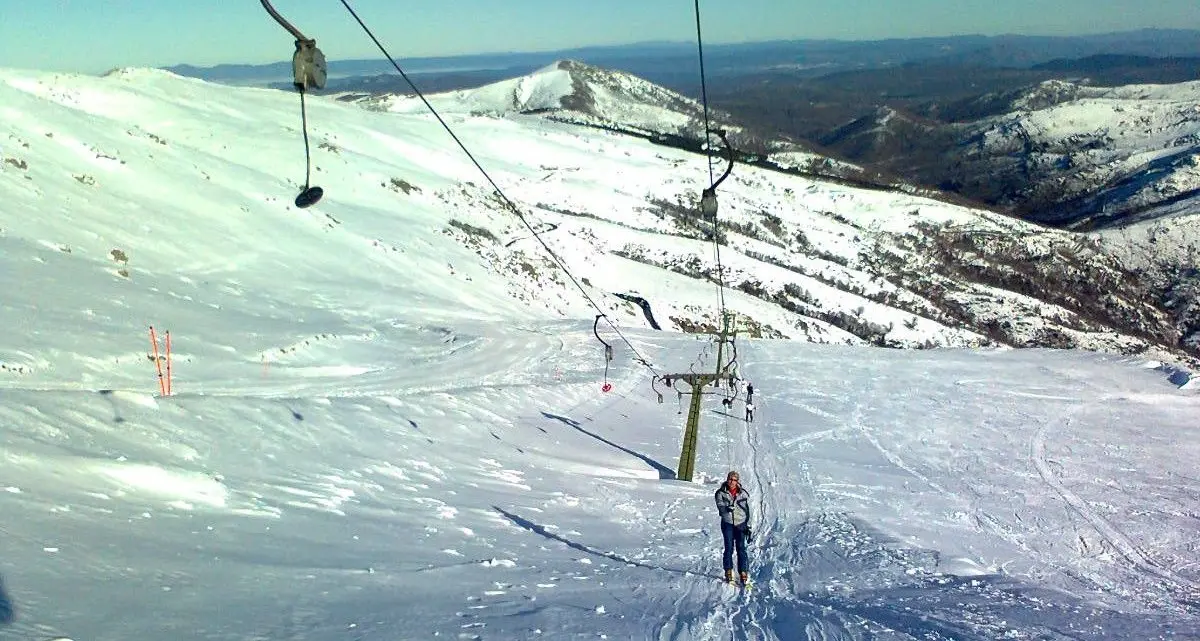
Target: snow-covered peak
1046	94
576	91
545	89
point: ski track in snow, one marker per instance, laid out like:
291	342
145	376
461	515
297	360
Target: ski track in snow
1130	550
779	602
524	548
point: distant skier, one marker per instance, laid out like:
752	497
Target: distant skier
6	606
749	412
749	392
733	504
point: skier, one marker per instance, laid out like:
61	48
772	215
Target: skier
749	412
749	392
6	607
733	504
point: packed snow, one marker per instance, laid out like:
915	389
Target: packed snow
386	426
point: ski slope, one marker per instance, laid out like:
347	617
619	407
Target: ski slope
898	495
383	428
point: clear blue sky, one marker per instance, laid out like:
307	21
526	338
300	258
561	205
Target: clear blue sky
97	35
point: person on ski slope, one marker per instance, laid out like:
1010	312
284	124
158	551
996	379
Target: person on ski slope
733	504
749	412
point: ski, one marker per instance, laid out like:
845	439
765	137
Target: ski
737	585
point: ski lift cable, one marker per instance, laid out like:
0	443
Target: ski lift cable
307	152
499	192
704	97
708	202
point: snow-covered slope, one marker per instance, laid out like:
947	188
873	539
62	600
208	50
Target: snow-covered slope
1098	155
141	173
387	420
488	490
1165	250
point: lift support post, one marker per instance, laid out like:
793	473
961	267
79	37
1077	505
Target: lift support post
687	456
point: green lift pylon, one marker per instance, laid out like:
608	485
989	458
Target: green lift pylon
687	456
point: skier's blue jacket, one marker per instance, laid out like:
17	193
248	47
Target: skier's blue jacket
734	510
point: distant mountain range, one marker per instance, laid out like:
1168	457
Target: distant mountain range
1058	152
674	64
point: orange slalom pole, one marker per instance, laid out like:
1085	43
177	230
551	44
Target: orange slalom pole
162	386
168	362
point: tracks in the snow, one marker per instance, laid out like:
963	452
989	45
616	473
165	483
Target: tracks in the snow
776	609
749	615
1115	537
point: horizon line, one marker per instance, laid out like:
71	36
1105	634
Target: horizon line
689	43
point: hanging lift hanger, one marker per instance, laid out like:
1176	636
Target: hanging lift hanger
708	198
608	352
308	70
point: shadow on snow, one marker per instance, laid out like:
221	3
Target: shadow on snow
611	556
664	472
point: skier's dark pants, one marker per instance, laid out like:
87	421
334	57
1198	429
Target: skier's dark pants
734	536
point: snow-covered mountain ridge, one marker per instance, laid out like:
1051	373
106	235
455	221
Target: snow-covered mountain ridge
608	97
1102	154
577	93
1121	160
1125	160
566	91
1059	153
166	172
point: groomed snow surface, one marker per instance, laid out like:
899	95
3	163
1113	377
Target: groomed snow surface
899	495
376	433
